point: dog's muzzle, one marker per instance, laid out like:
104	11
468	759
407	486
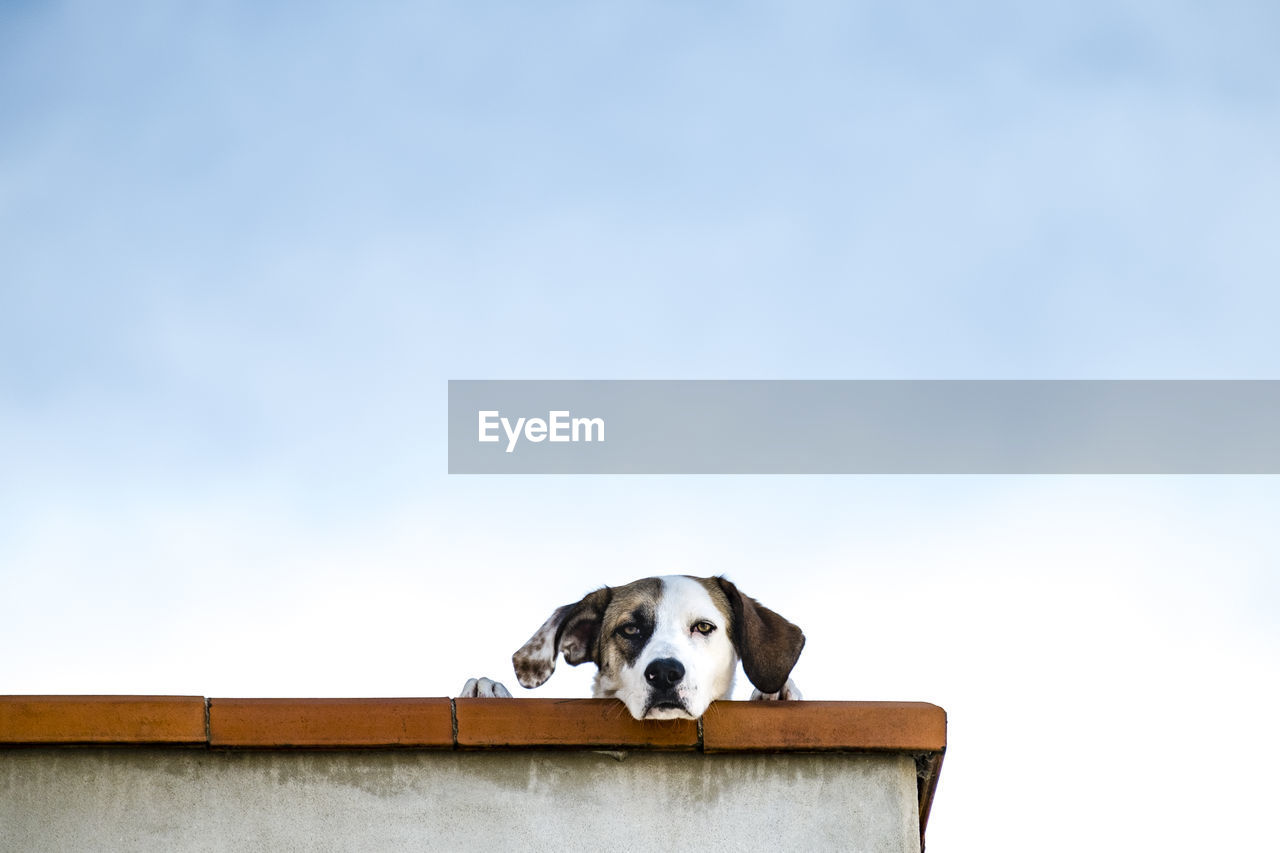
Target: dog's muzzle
664	676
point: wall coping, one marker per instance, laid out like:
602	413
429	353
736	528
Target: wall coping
917	728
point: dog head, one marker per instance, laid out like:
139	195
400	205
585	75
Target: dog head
667	647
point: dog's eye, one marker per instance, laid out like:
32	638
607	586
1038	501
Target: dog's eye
629	630
704	627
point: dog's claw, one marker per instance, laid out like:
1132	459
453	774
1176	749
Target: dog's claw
484	688
789	692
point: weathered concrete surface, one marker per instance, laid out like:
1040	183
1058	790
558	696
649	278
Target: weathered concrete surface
60	799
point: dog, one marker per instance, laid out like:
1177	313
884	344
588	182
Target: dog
667	647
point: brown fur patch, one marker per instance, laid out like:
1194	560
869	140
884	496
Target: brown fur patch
637	601
721	601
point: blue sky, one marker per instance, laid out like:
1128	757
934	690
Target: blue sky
242	250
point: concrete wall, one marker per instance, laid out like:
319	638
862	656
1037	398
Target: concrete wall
166	799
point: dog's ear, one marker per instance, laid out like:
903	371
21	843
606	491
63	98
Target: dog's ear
768	644
572	630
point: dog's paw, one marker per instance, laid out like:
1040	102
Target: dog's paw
483	688
789	692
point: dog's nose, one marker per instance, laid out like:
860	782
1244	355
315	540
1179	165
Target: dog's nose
664	673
